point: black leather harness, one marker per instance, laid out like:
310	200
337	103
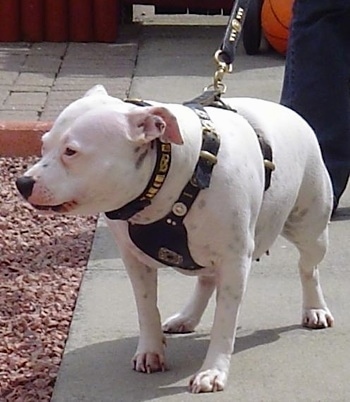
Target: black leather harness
166	239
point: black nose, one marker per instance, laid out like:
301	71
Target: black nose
25	185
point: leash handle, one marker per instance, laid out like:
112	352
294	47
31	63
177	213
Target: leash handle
233	31
224	57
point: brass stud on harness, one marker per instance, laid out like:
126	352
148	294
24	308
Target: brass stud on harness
179	209
269	165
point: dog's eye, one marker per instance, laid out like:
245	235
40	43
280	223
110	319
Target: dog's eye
70	152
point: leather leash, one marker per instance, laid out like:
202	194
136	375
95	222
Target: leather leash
225	55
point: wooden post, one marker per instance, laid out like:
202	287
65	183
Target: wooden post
106	20
56	20
9	21
80	21
32	20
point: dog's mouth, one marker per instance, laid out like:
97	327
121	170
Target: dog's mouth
65	207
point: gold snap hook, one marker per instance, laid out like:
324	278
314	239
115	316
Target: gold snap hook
221	69
227	68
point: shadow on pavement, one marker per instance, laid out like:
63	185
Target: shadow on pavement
119	382
342	214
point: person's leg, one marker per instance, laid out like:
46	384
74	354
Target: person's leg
317	79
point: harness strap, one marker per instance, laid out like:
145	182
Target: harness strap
209	97
158	177
209	150
203	170
212	97
268	164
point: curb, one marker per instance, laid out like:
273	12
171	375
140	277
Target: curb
22	138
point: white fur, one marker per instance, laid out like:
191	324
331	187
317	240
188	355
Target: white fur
107	136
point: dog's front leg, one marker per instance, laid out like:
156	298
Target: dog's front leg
188	318
231	284
149	356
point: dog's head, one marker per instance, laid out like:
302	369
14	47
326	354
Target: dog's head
98	155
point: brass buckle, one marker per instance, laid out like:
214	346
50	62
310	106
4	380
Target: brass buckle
208	157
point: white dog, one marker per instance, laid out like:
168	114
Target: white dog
102	153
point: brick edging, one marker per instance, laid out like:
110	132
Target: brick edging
21	138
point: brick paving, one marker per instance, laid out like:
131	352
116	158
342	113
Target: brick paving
38	80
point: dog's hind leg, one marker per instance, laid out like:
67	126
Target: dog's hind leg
315	311
188	318
312	246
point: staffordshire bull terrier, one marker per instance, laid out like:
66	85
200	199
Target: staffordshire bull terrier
207	206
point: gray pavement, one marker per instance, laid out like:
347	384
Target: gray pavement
275	359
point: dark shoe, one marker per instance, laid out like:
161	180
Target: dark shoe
339	179
335	206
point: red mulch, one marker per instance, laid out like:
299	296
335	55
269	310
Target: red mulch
42	260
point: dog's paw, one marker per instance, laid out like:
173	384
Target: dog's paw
211	380
317	318
178	324
148	362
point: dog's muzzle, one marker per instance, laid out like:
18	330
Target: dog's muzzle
25	186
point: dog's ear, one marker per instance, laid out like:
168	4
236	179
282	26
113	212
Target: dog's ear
149	123
96	90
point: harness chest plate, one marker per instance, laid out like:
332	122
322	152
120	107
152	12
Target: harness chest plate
164	242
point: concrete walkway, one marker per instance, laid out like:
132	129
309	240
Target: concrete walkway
275	359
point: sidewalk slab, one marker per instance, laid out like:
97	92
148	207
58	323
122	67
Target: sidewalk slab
175	63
